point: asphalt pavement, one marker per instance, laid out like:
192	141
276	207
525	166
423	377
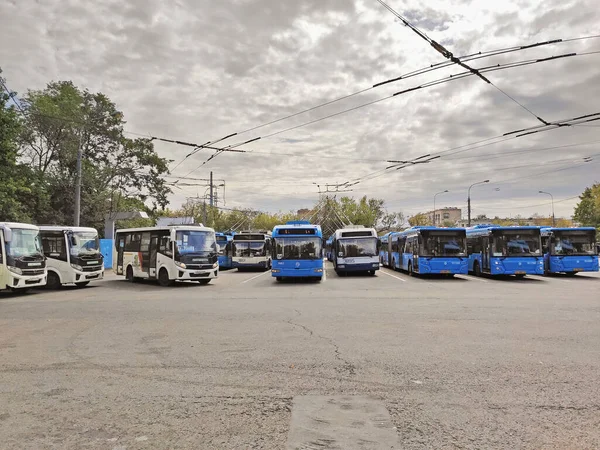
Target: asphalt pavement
389	361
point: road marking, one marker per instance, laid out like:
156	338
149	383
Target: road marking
340	422
255	277
393	276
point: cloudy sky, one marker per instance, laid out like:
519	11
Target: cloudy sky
198	70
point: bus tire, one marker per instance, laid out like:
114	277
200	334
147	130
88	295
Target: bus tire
53	281
82	284
372	273
476	269
410	270
129	274
163	278
203	282
394	264
279	278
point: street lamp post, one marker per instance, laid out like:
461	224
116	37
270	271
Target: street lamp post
469	199
552	200
442	192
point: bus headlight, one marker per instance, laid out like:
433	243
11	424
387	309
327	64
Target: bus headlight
215	265
77	267
375	264
15	270
180	264
275	270
318	270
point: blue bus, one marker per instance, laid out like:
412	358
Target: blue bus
355	249
225	250
428	250
497	250
252	250
328	246
569	250
297	251
383	250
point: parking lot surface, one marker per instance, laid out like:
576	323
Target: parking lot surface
389	361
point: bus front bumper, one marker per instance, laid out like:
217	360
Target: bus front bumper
195	275
81	277
258	265
17	281
297	273
360	267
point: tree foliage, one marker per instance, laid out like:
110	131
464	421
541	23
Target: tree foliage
587	211
38	155
418	219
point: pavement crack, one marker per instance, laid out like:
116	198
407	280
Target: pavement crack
346	367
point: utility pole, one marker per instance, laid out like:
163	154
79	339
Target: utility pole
77	208
211	189
204	212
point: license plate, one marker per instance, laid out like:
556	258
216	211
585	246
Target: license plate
520	272
349	260
578	269
444	271
91	263
242	260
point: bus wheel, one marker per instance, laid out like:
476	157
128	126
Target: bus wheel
393	264
203	282
53	282
476	269
129	274
372	273
410	270
279	278
82	284
163	278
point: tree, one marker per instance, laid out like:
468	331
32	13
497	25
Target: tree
63	118
14	177
392	222
418	219
587	211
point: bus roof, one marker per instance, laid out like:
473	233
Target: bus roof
418	230
67	228
17	225
291	227
357	232
569	228
166	228
486	229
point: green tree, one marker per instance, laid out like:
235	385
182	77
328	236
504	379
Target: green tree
587	211
418	219
15	182
392	222
61	119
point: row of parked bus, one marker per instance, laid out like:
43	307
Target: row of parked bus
491	249
32	256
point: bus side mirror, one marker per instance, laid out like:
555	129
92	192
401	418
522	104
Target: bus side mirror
7	234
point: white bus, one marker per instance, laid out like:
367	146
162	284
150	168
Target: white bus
72	255
22	263
167	254
252	250
355	250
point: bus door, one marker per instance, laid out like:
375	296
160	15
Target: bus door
485	253
153	254
145	252
120	251
389	252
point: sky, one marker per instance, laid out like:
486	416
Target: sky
199	70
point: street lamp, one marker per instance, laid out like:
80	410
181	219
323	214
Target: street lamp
469	199
552	198
442	192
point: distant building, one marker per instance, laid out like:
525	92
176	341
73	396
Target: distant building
442	215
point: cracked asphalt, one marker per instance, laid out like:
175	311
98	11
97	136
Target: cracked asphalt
465	363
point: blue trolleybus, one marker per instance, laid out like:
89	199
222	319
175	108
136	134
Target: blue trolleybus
252	250
297	251
383	250
430	251
225	250
569	250
497	250
355	250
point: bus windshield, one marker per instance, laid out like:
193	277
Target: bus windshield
355	247
516	243
24	243
573	243
84	242
298	248
197	242
249	249
444	244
